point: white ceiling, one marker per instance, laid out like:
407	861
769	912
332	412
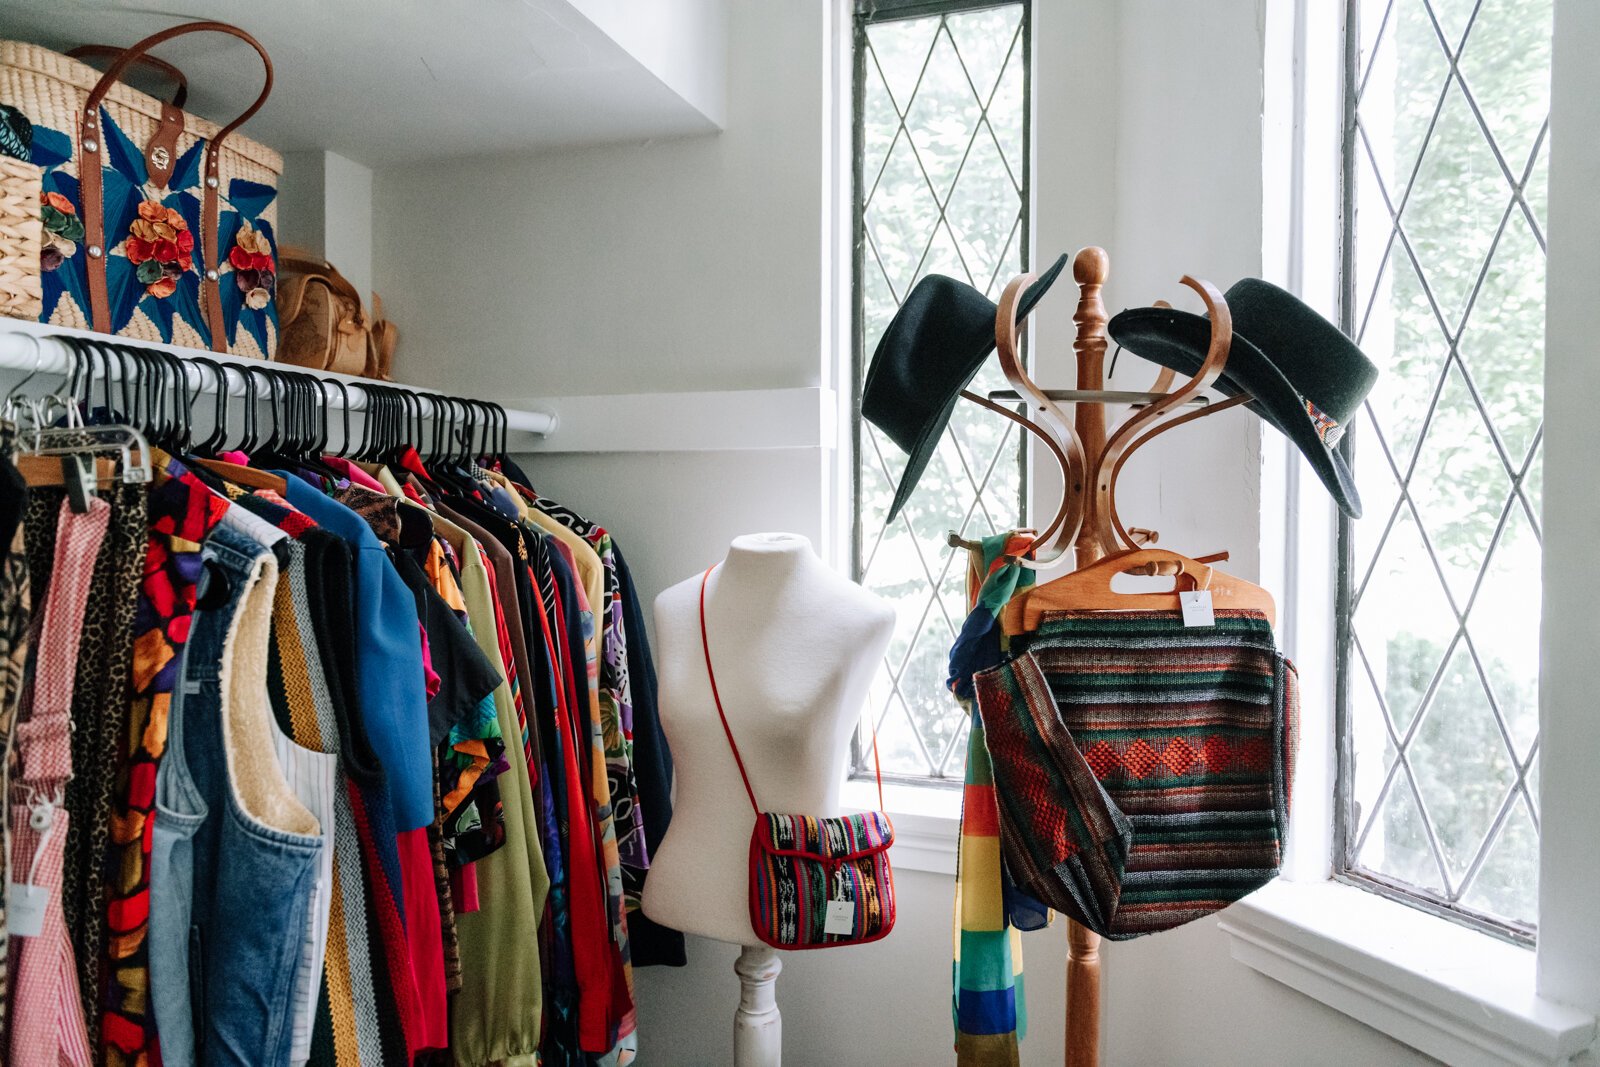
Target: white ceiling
385	81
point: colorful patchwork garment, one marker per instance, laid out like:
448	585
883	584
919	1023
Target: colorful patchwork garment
182	512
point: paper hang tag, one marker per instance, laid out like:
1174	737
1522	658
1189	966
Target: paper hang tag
25	906
841	917
1197	608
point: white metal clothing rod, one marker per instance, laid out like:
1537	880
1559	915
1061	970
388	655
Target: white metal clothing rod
32	347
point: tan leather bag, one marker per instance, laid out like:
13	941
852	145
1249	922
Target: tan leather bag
322	325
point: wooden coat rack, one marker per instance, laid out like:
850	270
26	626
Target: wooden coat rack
1086	522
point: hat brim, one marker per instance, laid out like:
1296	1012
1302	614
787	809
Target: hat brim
927	442
919	458
1181	339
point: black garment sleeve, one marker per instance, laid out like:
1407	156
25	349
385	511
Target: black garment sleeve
465	674
652	943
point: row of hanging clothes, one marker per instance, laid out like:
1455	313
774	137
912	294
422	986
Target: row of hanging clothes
337	754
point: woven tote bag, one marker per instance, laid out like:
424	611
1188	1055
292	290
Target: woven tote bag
157	224
1143	767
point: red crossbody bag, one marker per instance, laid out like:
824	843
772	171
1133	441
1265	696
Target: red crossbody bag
814	882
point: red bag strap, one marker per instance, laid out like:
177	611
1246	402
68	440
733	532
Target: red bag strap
711	676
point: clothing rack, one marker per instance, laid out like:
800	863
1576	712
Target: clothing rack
38	348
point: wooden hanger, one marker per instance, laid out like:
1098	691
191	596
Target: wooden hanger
47	470
1089	589
246	476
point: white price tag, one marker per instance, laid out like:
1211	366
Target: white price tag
1197	608
25	905
841	917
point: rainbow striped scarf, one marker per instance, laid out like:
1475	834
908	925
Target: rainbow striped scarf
987	1003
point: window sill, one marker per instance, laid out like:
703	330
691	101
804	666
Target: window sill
1456	994
927	822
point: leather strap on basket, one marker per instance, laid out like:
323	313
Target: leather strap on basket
180	92
711	676
91	153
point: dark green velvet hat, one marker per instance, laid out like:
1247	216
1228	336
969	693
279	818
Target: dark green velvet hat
1308	379
931	349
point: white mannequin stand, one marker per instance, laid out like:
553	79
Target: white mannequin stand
794	646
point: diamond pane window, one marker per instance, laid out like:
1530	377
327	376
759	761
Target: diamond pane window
941	187
1444	289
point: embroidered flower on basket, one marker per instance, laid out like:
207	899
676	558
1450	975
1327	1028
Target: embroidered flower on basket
253	269
63	229
161	247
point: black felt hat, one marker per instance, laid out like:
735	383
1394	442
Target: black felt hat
931	349
1308	379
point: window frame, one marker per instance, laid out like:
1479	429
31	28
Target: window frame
1446	988
1347	835
862	14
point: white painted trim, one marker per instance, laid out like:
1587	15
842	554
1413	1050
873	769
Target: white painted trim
926	819
1569	729
1450	991
1458	995
727	420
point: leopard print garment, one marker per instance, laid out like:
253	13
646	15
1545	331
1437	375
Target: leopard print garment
99	709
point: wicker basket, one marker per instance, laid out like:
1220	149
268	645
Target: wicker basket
52	90
20	239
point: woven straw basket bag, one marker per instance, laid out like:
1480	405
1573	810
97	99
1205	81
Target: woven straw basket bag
155	224
20	239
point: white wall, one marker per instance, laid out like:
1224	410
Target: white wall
703	264
680	265
668	265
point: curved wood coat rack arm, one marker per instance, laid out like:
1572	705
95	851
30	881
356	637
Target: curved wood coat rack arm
1053	426
1216	359
1126	439
1189	416
1027	424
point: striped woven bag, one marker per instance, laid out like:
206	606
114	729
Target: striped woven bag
814	882
1143	768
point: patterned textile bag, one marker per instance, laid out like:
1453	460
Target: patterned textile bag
157	224
1143	767
814	882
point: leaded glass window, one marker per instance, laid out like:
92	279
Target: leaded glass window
941	186
1447	141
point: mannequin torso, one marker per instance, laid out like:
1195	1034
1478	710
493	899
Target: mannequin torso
794	646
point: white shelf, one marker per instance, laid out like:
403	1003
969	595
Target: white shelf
399	82
28	347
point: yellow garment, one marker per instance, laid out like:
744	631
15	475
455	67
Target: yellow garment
497	1015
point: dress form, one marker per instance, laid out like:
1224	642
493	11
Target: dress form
794	646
